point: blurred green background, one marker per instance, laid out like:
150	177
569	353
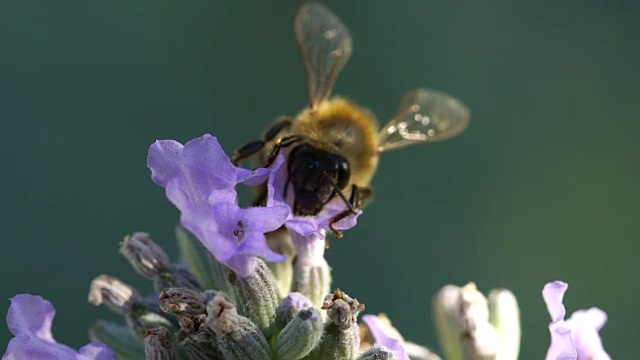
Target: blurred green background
544	185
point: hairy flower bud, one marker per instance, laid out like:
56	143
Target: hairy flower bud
159	345
378	353
462	319
342	309
289	307
202	345
258	297
146	257
301	335
116	295
342	334
339	343
311	272
237	337
504	315
182	301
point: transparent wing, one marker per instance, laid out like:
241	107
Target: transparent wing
325	45
423	116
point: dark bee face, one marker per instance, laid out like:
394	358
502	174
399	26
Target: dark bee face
315	175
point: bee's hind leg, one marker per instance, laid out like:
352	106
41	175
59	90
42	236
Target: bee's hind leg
359	197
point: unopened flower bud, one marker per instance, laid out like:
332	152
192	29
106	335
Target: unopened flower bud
504	315
202	345
237	337
378	353
342	309
289	307
258	297
116	295
222	314
342	334
462	320
142	320
311	272
146	257
338	343
182	301
118	338
301	335
159	345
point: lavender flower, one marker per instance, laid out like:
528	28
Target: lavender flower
30	318
577	337
200	180
385	335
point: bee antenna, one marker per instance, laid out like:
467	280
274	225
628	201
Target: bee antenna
338	191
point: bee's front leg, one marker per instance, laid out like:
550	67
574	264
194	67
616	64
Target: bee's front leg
251	148
359	196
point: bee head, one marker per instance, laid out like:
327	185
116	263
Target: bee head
315	175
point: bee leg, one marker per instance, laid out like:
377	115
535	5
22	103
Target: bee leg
281	124
281	143
253	147
354	204
247	151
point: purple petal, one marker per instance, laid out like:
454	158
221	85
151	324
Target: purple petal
191	173
585	325
31	315
241	265
255	243
553	293
264	219
253	177
219	229
381	337
95	351
28	347
295	301
562	347
30	318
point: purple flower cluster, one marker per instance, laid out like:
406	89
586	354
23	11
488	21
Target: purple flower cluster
200	181
30	318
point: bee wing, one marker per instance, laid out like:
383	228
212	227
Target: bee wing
325	45
424	116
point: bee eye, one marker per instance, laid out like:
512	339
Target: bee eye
343	172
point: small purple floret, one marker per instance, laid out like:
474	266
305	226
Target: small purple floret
29	319
577	337
200	180
381	337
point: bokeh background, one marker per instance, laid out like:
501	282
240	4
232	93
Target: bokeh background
543	185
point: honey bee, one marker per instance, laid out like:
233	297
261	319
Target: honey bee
334	145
